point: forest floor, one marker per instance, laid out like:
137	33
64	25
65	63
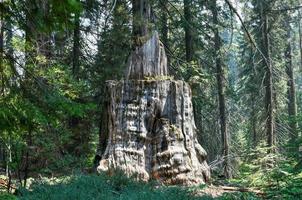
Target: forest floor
218	191
122	188
250	185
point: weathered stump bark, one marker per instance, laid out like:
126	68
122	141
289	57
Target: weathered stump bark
149	124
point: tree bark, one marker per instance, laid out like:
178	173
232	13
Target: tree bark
291	91
142	21
254	121
76	46
269	102
188	30
164	27
10	51
1	54
8	164
300	38
30	35
27	156
220	77
149	126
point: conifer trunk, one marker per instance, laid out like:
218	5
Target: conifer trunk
1	53
220	78
300	38
142	18
188	30
164	26
76	46
269	102
291	91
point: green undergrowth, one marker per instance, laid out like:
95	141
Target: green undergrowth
5	196
239	196
103	187
279	177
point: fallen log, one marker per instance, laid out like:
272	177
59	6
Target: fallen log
239	189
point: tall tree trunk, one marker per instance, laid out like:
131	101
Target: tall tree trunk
44	38
142	19
10	51
253	106
188	30
164	25
164	20
27	156
291	92
269	102
221	91
8	164
1	53
76	46
30	36
253	121
30	46
300	38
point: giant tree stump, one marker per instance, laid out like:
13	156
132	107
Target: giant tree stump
149	128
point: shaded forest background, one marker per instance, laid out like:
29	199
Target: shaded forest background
243	60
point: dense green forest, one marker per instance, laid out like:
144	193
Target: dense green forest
241	58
